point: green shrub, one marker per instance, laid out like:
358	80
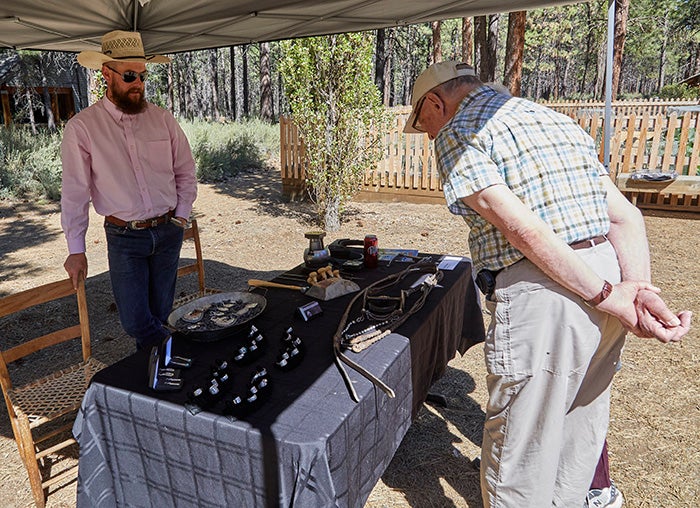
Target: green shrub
30	165
222	150
679	91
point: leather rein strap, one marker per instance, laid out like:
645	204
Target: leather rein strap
339	355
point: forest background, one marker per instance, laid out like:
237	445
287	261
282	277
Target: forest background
561	52
229	99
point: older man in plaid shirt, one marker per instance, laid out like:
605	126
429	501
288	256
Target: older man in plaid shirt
563	260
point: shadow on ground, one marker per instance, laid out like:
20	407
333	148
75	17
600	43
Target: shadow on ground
27	230
264	187
428	462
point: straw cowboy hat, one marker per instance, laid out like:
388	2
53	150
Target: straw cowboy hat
119	46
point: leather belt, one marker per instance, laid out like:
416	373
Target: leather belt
591	242
486	279
140	224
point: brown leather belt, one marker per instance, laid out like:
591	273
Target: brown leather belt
140	224
591	242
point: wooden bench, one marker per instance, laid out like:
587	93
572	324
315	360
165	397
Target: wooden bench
680	194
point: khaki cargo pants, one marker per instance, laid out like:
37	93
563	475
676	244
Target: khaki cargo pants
550	361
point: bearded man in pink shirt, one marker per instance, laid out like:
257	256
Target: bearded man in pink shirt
133	161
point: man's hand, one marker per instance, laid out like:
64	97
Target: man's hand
621	302
77	267
655	319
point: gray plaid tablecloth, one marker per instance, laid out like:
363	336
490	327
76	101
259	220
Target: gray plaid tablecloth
322	451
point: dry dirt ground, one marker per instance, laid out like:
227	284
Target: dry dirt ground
248	230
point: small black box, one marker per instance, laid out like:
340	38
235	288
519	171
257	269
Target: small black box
310	311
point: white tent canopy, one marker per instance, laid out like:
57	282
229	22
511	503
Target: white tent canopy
170	26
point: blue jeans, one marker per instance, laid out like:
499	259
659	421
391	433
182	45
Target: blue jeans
143	270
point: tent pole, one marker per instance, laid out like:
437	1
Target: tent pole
135	23
608	85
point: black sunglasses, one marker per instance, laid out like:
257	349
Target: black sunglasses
130	76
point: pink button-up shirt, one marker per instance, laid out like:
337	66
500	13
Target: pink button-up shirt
131	166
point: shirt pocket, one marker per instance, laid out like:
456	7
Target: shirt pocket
157	156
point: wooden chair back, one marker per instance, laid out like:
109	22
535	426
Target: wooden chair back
53	397
196	266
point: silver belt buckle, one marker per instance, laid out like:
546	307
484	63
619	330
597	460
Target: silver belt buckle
133	225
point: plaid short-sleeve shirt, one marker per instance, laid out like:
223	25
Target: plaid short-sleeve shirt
544	157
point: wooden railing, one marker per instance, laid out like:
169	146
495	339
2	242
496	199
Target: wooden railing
577	109
641	141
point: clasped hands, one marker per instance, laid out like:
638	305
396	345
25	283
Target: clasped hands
643	312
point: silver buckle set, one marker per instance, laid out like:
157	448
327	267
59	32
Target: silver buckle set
145	224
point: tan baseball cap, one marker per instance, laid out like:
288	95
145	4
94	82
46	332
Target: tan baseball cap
435	75
119	46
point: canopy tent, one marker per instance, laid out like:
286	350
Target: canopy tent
171	26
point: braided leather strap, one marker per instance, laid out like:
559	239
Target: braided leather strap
341	358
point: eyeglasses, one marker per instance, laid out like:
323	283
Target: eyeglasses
416	122
130	76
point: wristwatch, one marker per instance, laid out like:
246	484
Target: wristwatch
600	297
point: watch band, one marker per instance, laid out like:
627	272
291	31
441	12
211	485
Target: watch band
600	297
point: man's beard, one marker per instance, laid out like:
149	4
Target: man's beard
127	104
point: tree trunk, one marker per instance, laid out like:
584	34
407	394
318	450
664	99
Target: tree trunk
486	38
387	92
171	89
266	113
181	103
30	107
246	92
380	63
515	44
479	41
662	56
437	41
331	219
50	120
189	113
622	8
492	45
232	53
587	54
213	66
600	70
467	41
408	77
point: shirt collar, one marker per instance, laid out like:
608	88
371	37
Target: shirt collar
476	94
112	109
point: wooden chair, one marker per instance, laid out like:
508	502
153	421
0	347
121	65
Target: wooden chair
38	409
192	233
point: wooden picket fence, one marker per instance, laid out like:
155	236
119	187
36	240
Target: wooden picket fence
577	109
642	141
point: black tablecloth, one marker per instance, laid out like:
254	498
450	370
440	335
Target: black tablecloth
129	434
451	314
